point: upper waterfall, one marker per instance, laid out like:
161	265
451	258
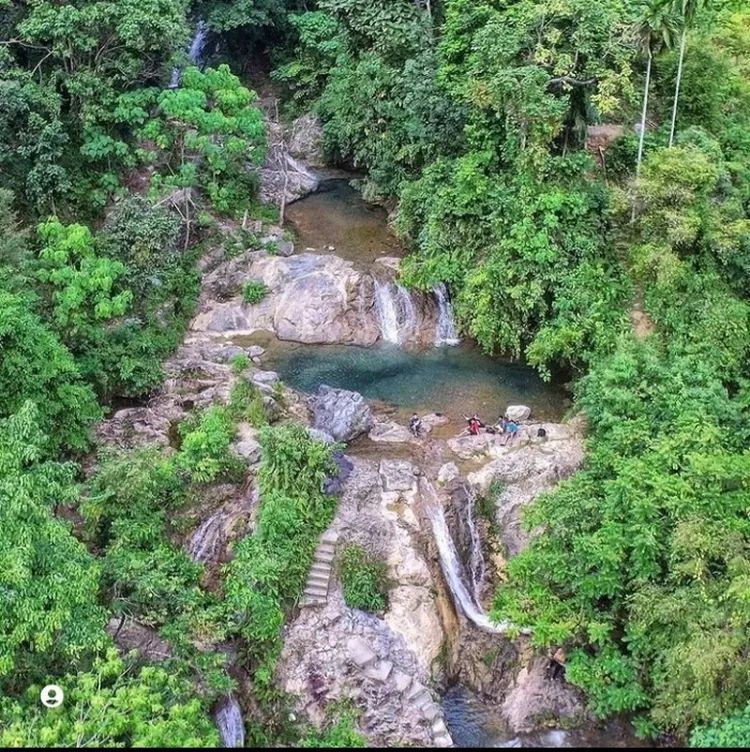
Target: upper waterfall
195	54
397	317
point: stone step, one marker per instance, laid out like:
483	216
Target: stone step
324	558
379	671
422	700
325	548
318	577
329	537
438	727
415	690
361	652
307	601
315	591
322	567
443	741
402	681
431	711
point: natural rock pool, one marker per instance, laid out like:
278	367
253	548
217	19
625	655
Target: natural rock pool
335	215
454	381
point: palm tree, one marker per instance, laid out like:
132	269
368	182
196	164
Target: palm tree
656	30
687	10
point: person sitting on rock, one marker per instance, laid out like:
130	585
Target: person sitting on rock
502	425
415	425
511	432
556	667
475	425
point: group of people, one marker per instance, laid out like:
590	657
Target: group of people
507	428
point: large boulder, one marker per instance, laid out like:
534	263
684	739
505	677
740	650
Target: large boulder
312	299
305	141
518	412
340	413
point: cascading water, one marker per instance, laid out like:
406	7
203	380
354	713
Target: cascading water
397	317
195	54
207	538
229	721
450	563
476	563
445	332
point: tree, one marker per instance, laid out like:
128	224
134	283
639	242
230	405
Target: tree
687	10
49	612
655	29
114	704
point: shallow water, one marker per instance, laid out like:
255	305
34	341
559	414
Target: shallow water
474	723
455	381
335	215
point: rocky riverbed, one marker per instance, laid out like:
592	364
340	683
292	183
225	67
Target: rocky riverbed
412	502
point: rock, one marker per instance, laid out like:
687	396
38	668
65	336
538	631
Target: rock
401	681
248	450
476	447
343	414
265	378
518	412
380	671
255	351
447	473
283	178
413	614
285	248
536	698
391	433
433	420
129	635
333	486
431	711
306	140
361	653
317	435
397	475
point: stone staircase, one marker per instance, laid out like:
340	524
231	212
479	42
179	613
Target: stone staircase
316	587
411	691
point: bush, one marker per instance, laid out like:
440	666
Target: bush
254	291
363	579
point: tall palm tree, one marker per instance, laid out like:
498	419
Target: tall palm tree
686	10
656	30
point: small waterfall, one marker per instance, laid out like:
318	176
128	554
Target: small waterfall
445	333
229	721
451	564
195	54
476	563
207	539
397	316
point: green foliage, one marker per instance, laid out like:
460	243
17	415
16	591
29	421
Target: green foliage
363	579
113	704
253	291
204	453
269	569
246	403
36	366
49	614
733	732
239	363
339	732
206	132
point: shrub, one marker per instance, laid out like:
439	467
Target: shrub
239	363
254	291
363	579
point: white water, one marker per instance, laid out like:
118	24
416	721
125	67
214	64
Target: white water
445	333
195	54
397	317
476	563
208	537
450	563
229	722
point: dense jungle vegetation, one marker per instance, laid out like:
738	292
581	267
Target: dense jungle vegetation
628	266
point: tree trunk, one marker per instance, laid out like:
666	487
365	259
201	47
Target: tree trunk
677	86
642	134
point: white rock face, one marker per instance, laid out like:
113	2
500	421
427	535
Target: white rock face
447	473
340	413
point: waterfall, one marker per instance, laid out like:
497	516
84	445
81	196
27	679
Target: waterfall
451	564
397	316
476	563
207	539
195	54
445	333
229	721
